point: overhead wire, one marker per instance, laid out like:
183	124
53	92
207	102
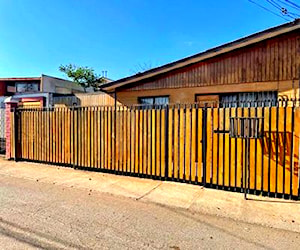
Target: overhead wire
282	9
288	4
266	9
292	3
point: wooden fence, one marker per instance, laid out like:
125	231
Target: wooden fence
176	142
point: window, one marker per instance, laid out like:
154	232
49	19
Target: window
27	87
209	100
160	100
265	98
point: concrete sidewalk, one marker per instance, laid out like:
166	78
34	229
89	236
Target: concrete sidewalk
278	213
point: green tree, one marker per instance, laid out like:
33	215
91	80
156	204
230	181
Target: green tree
84	76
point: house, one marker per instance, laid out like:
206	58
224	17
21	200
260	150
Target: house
262	66
36	91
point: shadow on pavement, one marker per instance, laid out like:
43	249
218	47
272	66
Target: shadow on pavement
33	238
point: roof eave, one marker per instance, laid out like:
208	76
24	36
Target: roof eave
243	42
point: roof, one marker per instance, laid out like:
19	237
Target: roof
20	79
30	78
242	42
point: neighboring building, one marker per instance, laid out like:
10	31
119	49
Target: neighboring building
37	91
262	66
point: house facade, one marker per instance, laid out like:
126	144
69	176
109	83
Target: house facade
36	91
264	66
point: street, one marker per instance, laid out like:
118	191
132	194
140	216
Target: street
47	216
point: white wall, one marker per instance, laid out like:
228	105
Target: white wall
60	86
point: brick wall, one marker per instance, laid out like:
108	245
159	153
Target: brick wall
8	107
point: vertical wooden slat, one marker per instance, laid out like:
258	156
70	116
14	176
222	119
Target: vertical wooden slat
273	149
47	134
266	149
88	137
128	124
153	133
149	149
108	138
163	142
239	156
253	152
187	143
288	149
118	138
170	142
181	142
226	166
280	149
210	146
92	138
111	138
43	137
23	135
99	137
95	135
58	135
216	146
36	136
51	136
83	135
233	155
176	123
140	140
136	153
220	167
199	144
63	134
295	169
144	141
193	144
132	144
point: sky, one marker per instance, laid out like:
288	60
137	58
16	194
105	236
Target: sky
121	37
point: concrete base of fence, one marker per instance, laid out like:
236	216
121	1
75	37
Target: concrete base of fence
277	213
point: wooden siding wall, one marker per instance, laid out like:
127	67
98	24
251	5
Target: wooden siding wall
167	142
286	89
84	99
276	59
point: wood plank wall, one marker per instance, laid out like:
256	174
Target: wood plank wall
179	142
276	59
84	99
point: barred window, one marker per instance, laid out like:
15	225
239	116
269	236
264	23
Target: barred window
160	100
244	99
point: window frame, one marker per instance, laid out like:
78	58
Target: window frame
154	97
238	101
26	85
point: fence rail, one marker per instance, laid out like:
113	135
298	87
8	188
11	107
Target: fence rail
177	142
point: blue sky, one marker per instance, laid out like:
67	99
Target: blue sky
36	36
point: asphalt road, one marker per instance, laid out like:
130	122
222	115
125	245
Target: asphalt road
46	216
